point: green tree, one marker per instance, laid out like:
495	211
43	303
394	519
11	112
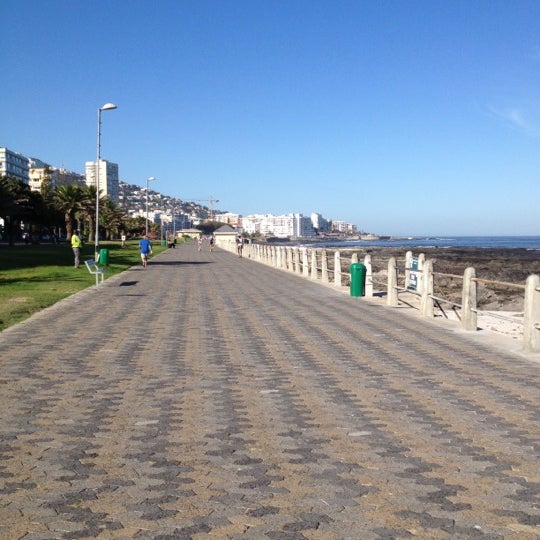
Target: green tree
46	185
135	226
112	217
50	217
68	200
16	205
38	215
8	206
87	208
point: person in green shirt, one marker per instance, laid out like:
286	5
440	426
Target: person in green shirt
76	245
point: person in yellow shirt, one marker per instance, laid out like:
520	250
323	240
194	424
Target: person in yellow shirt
76	245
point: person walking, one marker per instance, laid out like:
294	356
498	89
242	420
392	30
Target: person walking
146	249
76	245
239	244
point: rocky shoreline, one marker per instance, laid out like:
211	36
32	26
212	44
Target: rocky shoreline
510	265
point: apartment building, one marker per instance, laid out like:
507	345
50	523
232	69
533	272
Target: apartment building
284	226
234	220
14	165
319	223
343	227
40	171
108	177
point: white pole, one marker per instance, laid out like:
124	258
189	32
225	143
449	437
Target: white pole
149	179
106	107
96	242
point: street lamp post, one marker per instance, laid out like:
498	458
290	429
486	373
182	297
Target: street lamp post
106	107
149	179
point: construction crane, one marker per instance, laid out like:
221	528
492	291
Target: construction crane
210	202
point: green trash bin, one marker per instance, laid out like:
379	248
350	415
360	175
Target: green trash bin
358	279
104	257
164	242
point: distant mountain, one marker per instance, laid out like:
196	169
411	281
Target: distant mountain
132	199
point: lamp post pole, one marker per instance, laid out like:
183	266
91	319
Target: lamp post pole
149	179
106	107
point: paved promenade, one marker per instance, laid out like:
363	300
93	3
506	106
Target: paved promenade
210	396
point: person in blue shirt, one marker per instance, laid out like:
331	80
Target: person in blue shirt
146	249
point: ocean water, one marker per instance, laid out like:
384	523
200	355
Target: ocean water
525	242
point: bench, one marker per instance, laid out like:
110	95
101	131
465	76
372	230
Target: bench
93	268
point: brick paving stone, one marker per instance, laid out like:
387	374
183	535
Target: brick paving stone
214	397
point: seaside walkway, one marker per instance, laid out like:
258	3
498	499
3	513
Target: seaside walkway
210	396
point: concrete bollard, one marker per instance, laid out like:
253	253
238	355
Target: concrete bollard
469	315
324	266
289	259
392	292
337	269
369	276
305	266
531	320
314	264
296	257
427	303
408	266
421	262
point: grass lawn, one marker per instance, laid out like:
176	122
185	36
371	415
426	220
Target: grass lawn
36	276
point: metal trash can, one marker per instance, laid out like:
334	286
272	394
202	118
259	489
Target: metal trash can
358	279
104	257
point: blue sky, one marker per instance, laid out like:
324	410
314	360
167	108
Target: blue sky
403	117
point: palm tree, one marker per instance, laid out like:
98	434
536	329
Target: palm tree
16	205
135	226
88	208
50	216
112	217
67	199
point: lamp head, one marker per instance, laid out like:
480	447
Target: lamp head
108	107
150	178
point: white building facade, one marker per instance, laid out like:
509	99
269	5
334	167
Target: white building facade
343	227
319	223
39	172
108	178
284	226
14	165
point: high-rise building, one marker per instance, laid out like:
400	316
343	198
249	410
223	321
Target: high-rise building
302	226
14	165
108	178
319	223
